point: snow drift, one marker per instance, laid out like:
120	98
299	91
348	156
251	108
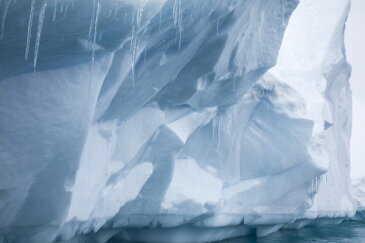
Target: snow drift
171	120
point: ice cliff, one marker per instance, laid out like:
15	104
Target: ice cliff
171	120
359	193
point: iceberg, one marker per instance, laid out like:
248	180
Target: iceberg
172	120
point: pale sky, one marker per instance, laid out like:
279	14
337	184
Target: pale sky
355	47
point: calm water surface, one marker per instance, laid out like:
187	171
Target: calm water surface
348	231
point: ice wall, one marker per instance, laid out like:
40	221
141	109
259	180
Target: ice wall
312	61
359	193
165	114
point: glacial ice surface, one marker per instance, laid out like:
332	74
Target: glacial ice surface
171	120
359	194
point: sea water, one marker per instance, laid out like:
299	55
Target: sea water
347	231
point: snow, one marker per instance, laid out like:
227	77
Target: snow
172	121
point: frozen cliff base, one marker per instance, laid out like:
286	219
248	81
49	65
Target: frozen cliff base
171	120
359	193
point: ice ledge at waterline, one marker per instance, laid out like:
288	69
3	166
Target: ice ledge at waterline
205	119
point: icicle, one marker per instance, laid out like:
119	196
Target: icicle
219	133
94	42
3	19
92	20
95	31
234	82
110	13
54	11
214	126
134	51
66	8
177	16
115	13
136	24
159	23
217	123
218	25
39	33
139	15
30	24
